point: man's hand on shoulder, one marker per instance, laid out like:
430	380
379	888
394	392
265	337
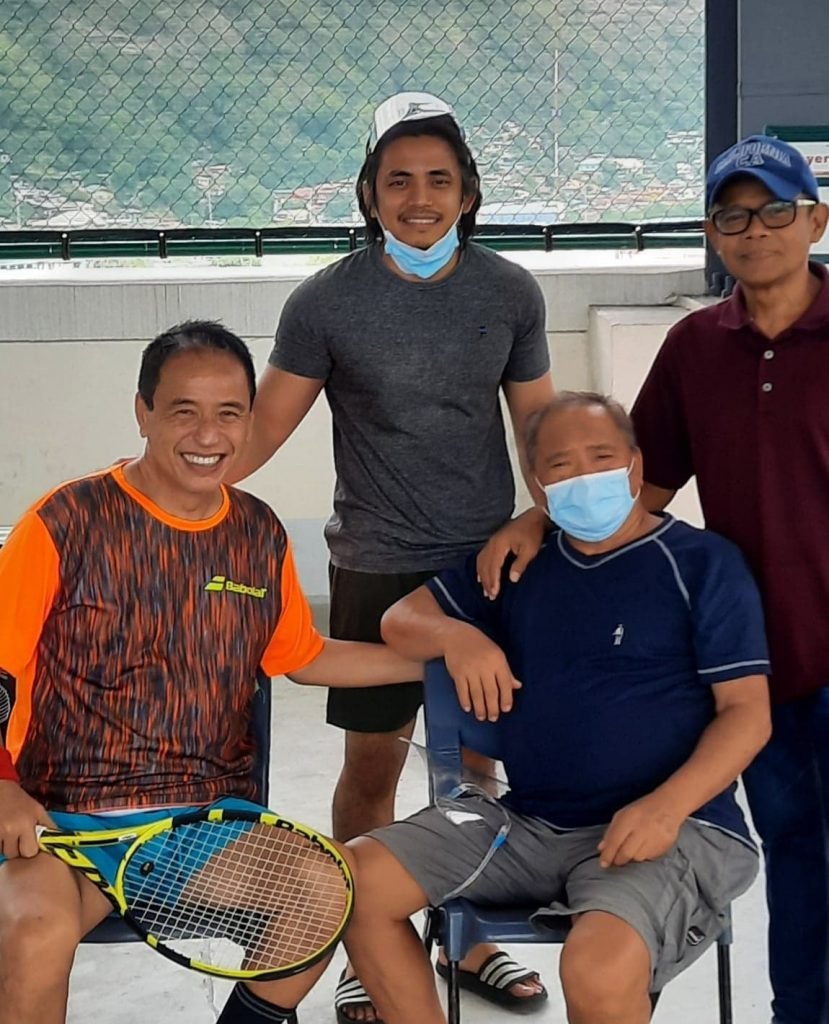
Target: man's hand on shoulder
20	814
483	678
644	830
521	537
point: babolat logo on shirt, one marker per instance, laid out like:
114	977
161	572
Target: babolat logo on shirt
221	583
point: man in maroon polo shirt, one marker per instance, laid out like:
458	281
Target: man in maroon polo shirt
738	396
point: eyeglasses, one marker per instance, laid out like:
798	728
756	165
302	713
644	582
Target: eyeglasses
778	213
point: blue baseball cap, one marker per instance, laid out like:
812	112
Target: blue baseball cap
780	167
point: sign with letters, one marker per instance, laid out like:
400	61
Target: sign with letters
813	143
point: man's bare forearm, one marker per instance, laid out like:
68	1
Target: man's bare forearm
417	628
725	749
524	398
536	493
654	498
259	450
344	663
282	402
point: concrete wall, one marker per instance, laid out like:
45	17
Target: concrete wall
622	344
70	344
783	71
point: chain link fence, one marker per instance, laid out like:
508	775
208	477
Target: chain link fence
210	113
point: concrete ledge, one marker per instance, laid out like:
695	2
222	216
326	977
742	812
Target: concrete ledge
134	304
622	343
570	296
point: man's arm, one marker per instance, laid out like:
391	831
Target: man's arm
29	580
656	498
29	583
523	398
647	828
524	535
661	423
297	650
282	401
345	663
20	816
417	627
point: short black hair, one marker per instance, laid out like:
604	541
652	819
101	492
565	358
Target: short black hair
578	400
192	334
442	127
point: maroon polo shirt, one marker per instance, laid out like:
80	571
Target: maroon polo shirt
749	418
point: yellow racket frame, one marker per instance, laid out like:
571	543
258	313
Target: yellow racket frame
68	847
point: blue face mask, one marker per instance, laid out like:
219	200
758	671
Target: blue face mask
591	507
422	263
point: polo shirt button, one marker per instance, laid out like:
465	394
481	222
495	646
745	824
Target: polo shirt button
767	386
768	354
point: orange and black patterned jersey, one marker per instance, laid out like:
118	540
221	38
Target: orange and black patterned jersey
135	638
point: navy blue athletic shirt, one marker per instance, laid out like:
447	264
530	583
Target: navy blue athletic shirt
618	654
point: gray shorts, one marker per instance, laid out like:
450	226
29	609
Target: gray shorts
678	903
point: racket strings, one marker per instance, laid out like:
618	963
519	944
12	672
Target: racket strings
233	913
270	896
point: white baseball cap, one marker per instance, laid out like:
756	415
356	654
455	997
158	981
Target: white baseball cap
407	106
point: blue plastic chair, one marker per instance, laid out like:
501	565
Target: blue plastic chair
113	928
458	924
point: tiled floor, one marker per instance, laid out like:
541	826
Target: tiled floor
130	984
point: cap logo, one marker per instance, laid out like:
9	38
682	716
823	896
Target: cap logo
749	160
752	154
407	106
421	109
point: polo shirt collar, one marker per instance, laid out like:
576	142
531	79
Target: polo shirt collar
734	315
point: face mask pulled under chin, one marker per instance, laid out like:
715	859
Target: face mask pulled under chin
593	506
422	263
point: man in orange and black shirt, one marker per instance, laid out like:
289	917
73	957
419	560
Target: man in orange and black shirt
138	605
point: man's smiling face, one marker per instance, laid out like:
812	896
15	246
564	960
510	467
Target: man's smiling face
761	256
199	421
419	190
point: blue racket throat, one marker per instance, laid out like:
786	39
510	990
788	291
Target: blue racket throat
107	854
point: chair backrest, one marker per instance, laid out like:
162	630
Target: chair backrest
260	730
449	728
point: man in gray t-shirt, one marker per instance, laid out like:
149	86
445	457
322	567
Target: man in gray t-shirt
413	339
412	373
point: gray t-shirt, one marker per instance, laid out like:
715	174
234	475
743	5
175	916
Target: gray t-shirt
412	373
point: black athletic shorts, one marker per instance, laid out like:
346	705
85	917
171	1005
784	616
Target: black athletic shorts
358	600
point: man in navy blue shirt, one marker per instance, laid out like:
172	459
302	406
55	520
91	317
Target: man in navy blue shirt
631	659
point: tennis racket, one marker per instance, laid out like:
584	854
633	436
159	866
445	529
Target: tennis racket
237	894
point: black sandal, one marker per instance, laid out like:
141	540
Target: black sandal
494	979
350	992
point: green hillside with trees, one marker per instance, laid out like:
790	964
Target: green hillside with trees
134	104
